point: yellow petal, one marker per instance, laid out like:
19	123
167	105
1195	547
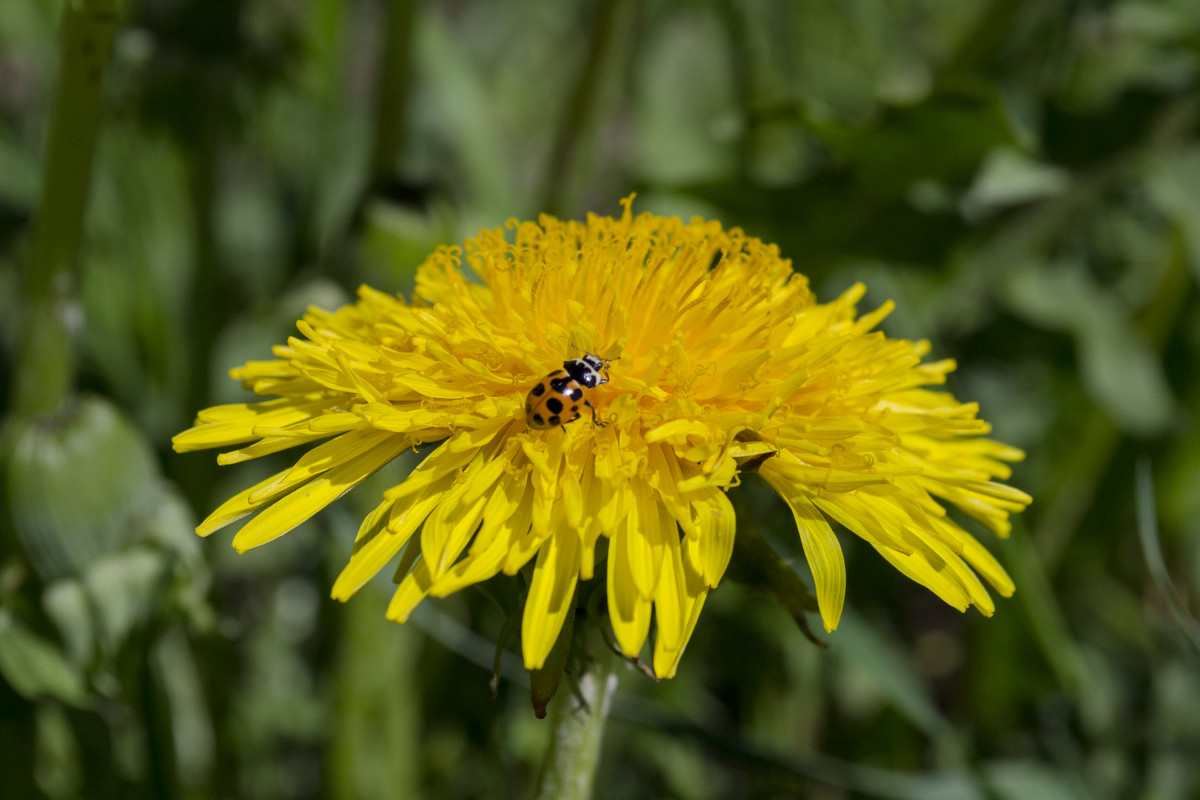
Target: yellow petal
505	519
371	555
343	450
669	597
717	523
436	465
241	504
919	570
691	593
450	526
821	547
482	563
266	447
986	564
721	476
665	476
645	541
222	426
545	453
288	512
843	508
526	543
550	596
628	612
409	594
590	490
677	431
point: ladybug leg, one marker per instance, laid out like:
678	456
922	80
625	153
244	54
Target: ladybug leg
595	421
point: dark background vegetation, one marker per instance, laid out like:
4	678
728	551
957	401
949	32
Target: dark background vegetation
1021	176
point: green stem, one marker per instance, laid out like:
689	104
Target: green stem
556	180
391	97
46	363
205	307
376	747
578	719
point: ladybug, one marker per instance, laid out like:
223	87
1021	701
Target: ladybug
556	398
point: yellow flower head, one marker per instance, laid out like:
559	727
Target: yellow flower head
722	360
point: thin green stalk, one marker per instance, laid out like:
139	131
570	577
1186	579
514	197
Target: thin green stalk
376	747
206	301
46	363
578	718
556	179
1156	563
391	96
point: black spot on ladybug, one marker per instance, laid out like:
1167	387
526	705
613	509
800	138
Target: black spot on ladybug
575	410
554	420
555	405
576	393
538	390
559	384
537	420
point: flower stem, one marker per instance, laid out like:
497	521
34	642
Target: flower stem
46	364
578	719
604	29
391	97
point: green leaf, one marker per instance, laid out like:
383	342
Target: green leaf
58	762
1173	181
178	674
851	56
77	481
1124	374
126	590
66	602
34	667
686	98
1009	177
1119	368
1029	780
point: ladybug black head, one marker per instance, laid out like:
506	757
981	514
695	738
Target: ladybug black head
586	370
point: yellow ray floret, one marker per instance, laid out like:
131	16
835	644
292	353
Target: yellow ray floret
723	360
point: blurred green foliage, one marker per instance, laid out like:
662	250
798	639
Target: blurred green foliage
1021	176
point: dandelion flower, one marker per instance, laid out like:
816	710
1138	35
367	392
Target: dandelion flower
723	360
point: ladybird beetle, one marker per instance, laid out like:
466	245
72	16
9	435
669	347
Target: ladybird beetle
556	398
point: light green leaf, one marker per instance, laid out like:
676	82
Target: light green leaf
34	667
66	603
1119	368
1029	780
1009	177
1173	180
1124	374
76	482
686	103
